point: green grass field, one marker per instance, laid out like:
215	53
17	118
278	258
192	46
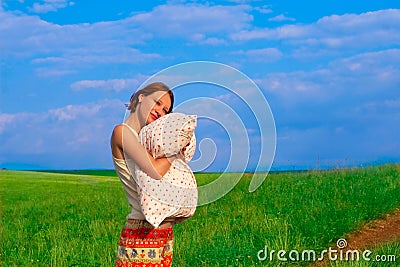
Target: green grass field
75	218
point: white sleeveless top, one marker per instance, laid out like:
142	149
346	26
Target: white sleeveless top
129	185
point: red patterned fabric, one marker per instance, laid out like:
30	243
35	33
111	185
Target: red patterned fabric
142	245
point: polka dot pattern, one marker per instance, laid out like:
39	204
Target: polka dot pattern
175	195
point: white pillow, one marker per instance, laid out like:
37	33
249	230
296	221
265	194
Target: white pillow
175	195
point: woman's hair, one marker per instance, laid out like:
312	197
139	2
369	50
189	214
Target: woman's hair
148	90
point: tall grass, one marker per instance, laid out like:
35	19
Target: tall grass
75	220
60	220
291	211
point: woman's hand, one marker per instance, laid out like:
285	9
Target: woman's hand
162	165
183	150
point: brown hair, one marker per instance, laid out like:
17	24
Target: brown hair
148	90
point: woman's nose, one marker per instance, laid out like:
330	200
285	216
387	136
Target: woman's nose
159	110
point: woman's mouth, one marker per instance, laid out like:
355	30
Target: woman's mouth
154	117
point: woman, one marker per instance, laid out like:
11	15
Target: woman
139	241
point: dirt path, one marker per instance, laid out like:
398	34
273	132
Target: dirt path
372	234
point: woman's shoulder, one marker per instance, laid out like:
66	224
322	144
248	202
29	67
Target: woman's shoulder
118	129
117	132
116	141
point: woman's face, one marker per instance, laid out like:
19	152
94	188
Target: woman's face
154	105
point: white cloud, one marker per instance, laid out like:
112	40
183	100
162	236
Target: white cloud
73	136
367	74
265	9
393	103
287	31
213	41
4	120
263	54
67	47
71	112
46	72
365	30
113	84
114	41
48	38
281	18
371	29
244	1
50	5
68	62
343	110
189	20
62	49
356	90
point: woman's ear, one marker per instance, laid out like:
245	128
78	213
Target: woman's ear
140	98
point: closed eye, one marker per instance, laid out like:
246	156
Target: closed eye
158	103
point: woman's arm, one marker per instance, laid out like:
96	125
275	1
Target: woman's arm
127	144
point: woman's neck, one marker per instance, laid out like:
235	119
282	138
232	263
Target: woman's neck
133	121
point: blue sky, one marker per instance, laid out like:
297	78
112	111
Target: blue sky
329	70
